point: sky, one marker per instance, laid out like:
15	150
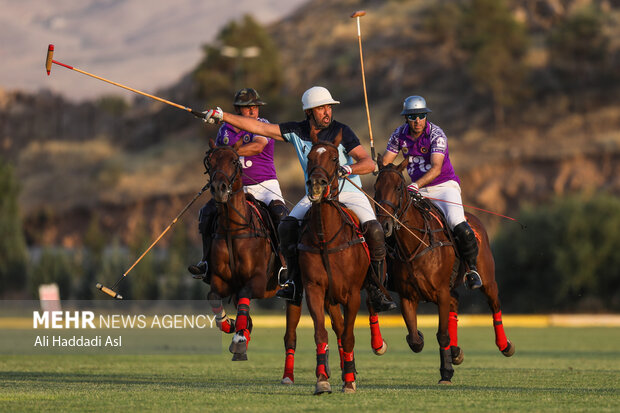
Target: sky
143	44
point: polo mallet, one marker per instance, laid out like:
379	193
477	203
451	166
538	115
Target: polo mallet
111	291
357	16
48	67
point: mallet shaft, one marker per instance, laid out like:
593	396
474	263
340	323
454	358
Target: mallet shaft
48	67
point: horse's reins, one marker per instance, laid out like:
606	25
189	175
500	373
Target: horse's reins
386	211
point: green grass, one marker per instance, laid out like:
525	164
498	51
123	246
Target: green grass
554	369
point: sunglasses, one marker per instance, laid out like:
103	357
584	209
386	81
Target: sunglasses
414	116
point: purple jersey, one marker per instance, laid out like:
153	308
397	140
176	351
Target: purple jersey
256	168
418	152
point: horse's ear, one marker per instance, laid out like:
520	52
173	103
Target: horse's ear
237	145
338	138
380	161
402	165
314	135
211	143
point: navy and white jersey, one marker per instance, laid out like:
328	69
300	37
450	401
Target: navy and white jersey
298	133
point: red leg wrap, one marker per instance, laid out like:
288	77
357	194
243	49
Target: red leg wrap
376	341
227	326
289	364
349	370
500	337
321	352
452	329
243	309
340	351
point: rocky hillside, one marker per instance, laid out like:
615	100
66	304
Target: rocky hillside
143	162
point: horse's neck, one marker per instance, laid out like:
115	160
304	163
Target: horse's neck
325	219
235	214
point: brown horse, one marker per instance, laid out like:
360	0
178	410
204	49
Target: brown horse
333	261
424	265
244	262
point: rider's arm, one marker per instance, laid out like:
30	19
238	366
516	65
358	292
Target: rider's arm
253	148
431	174
271	130
388	157
363	162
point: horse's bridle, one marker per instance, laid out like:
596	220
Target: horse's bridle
229	179
330	194
399	210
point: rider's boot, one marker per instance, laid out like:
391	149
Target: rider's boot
205	225
468	249
373	233
289	236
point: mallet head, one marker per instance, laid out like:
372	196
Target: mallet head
48	60
109	291
358	13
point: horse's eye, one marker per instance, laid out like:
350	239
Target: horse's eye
335	159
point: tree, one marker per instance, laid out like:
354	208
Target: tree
144	280
566	260
224	69
578	51
496	44
13	251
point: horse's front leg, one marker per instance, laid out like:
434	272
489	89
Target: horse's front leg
315	297
293	314
225	324
378	344
409	308
243	326
337	325
443	337
348	342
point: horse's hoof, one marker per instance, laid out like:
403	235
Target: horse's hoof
416	347
349	387
239	343
509	350
322	387
240	357
444	382
287	381
457	355
381	351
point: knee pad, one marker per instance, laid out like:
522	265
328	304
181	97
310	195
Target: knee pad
373	232
278	210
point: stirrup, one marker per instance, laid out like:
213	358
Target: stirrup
283	275
289	291
472	280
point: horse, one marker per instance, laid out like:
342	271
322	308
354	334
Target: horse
333	261
243	258
244	264
424	265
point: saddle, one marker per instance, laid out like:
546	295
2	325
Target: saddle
266	220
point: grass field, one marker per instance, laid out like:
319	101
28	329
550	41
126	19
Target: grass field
554	369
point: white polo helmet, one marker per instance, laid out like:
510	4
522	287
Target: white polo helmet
415	104
317	96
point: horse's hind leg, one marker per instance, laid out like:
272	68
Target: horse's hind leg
489	288
443	338
293	314
455	350
378	344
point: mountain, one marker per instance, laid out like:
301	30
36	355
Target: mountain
143	162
